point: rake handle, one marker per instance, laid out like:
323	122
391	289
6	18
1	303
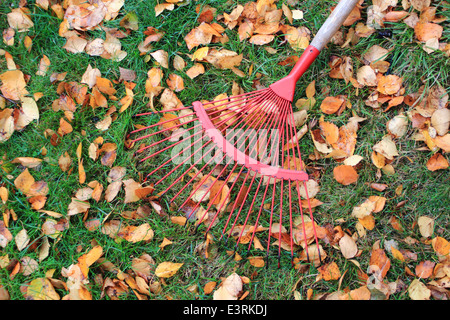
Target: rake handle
333	23
323	36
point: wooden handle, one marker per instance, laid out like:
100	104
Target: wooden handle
333	23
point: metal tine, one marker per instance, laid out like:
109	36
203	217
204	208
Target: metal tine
186	148
159	123
283	130
268	123
289	138
308	201
210	187
227	178
268	184
179	192
282	112
253	115
229	105
234	205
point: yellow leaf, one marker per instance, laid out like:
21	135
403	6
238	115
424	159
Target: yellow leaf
397	254
167	269
200	54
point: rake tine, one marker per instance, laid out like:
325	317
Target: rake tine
179	154
309	207
192	180
271	121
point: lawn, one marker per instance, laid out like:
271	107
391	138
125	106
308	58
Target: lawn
80	219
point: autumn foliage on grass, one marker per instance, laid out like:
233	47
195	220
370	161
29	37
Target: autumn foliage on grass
422	116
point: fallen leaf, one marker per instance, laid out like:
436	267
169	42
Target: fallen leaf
426	226
437	162
331	105
386	147
345	174
41	289
22	240
135	234
441	246
425	269
162	57
44	64
389	84
348	246
425	31
230	289
418	291
13	85
167	269
329	271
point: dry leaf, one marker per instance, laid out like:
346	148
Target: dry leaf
386	147
441	246
437	162
426	226
22	239
331	105
162	57
167	269
348	246
230	289
345	174
418	291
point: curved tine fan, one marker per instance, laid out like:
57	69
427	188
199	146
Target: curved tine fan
223	186
232	125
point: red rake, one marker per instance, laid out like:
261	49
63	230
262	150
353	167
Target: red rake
237	128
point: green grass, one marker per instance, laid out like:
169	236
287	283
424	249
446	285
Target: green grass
424	192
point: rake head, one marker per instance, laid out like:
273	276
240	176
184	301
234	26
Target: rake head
248	179
242	159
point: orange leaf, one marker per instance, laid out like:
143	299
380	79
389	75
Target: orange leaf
427	30
175	82
437	162
330	271
390	84
379	259
441	246
331	105
345	174
425	269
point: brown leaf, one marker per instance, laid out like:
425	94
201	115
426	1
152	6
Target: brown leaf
230	289
24	182
65	161
195	70
348	246
135	234
329	271
44	64
162	57
441	246
261	39
389	84
77	206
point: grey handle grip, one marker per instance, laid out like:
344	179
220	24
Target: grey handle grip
333	23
